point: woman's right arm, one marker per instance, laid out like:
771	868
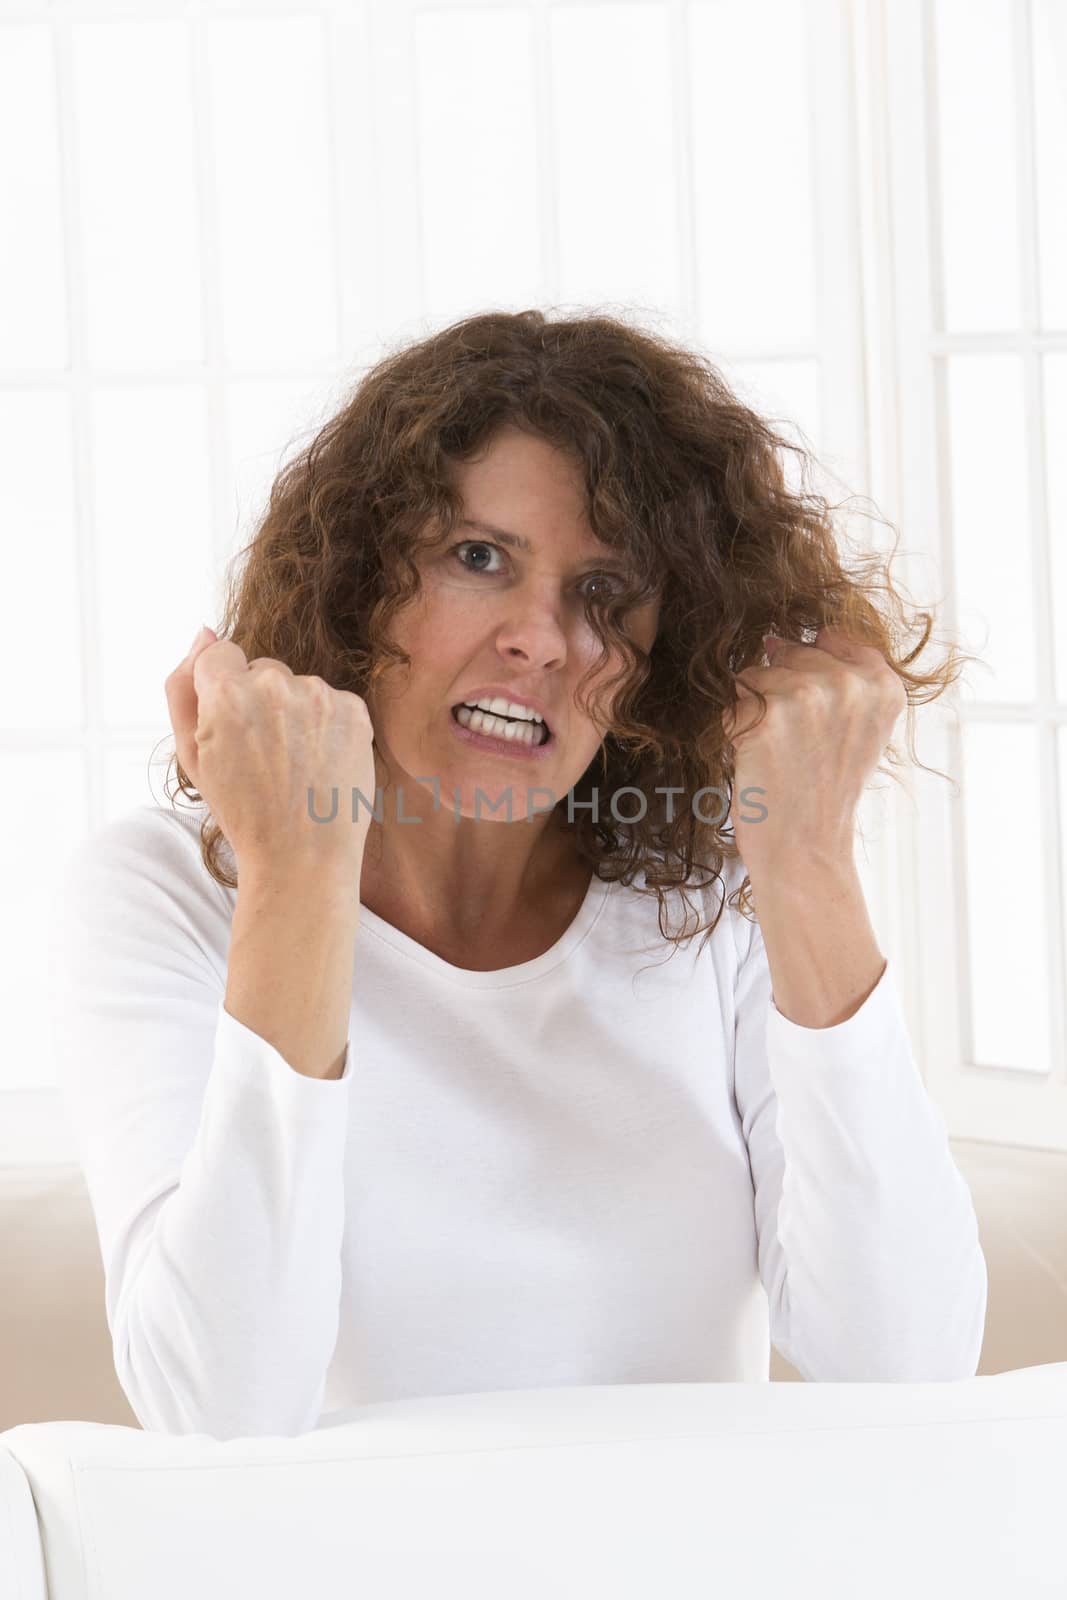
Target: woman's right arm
200	1045
289	974
215	1170
258	741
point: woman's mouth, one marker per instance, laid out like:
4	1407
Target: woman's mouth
507	735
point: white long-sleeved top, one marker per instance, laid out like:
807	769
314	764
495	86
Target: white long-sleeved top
599	1166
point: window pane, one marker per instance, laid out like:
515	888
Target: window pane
42	618
991	529
271	153
136	159
1055	377
1005	866
974	70
477	152
152	518
749	100
1050	133
614	172
33	305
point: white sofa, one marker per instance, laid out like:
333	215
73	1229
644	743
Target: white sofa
679	1491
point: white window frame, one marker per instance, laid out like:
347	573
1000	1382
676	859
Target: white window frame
1000	1105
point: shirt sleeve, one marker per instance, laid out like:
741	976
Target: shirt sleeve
867	1236
214	1168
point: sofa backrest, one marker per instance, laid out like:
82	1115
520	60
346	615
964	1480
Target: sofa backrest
55	1348
925	1489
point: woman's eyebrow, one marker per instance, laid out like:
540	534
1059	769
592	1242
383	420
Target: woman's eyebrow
519	543
514	539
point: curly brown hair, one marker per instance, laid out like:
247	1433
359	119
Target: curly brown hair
680	476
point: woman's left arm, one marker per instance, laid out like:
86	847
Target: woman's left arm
821	948
868	1240
831	710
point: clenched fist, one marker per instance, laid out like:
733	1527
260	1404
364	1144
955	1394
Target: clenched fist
254	738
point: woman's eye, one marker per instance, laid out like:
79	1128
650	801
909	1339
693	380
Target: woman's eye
605	578
480	544
472	544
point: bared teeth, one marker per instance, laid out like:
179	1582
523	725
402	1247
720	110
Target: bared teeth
504	716
542	732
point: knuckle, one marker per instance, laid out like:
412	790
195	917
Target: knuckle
808	692
227	691
272	680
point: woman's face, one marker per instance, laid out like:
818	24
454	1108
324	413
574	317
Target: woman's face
494	612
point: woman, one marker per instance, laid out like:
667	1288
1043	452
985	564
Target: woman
376	1094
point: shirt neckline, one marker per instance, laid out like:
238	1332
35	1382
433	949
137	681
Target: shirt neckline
588	912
